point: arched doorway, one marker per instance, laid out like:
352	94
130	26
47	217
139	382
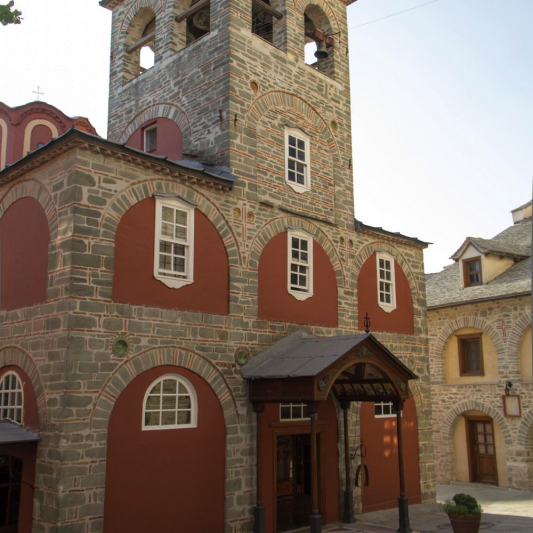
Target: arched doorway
166	456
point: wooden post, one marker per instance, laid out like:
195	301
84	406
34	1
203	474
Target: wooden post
348	515
315	519
259	510
403	502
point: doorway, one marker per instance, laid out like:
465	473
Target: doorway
293	480
10	476
482	451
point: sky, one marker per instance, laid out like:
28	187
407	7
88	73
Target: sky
442	104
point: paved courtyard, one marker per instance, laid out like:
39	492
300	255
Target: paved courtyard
505	511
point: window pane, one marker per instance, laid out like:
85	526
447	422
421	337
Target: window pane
182	389
167	214
181	233
151	419
169	402
184	402
184	417
168	418
472	355
167	230
285	412
169	386
292	140
181	217
153	402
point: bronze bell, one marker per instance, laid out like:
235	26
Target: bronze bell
321	52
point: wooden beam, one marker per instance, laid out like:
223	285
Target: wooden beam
268	9
192	10
141	42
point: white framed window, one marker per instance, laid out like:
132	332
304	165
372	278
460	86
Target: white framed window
386	286
150	138
300	264
174	242
293	411
170	402
11	398
297	160
384	410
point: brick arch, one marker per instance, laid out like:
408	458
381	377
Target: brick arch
473	405
33	189
145	189
301	5
469	322
160	110
274	227
515	337
15	356
277	99
525	431
151	358
155	5
366	251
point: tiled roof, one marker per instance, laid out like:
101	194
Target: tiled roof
445	288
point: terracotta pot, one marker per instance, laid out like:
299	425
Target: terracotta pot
466	523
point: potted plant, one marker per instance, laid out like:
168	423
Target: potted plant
464	513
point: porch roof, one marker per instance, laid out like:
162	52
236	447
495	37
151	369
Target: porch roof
11	433
302	367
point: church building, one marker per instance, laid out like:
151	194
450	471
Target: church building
196	333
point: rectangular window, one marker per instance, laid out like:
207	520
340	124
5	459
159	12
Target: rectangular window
150	139
297	172
173	262
384	410
293	411
386	288
470	355
300	271
472	272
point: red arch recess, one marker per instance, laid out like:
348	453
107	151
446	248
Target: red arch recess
134	280
169	138
24	239
401	320
379	436
275	302
159	478
40	134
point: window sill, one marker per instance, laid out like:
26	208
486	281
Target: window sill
175	426
298	188
300	296
387	308
174	283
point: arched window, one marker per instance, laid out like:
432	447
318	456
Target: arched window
11	398
140	44
319	43
170	402
197	20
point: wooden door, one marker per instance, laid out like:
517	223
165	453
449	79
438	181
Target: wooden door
482	451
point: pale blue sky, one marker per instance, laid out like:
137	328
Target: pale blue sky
441	103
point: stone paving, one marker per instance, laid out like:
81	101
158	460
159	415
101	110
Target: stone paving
505	510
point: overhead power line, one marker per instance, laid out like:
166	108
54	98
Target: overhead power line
393	15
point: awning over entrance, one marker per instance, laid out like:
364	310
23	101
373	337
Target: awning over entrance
304	368
11	433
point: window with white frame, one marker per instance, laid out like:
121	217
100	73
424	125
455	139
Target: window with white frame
293	411
300	264
170	402
386	286
384	410
297	160
174	242
150	139
11	398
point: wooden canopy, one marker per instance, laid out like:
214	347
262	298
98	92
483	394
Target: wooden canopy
304	368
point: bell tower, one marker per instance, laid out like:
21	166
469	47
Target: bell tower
231	86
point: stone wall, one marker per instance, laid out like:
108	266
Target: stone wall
504	322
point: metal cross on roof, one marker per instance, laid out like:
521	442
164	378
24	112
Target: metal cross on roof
38	92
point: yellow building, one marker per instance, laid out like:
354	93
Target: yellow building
479	321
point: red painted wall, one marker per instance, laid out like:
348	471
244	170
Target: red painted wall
327	422
18	118
24	239
134	280
40	134
401	320
25	451
169	138
165	480
379	436
275	303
